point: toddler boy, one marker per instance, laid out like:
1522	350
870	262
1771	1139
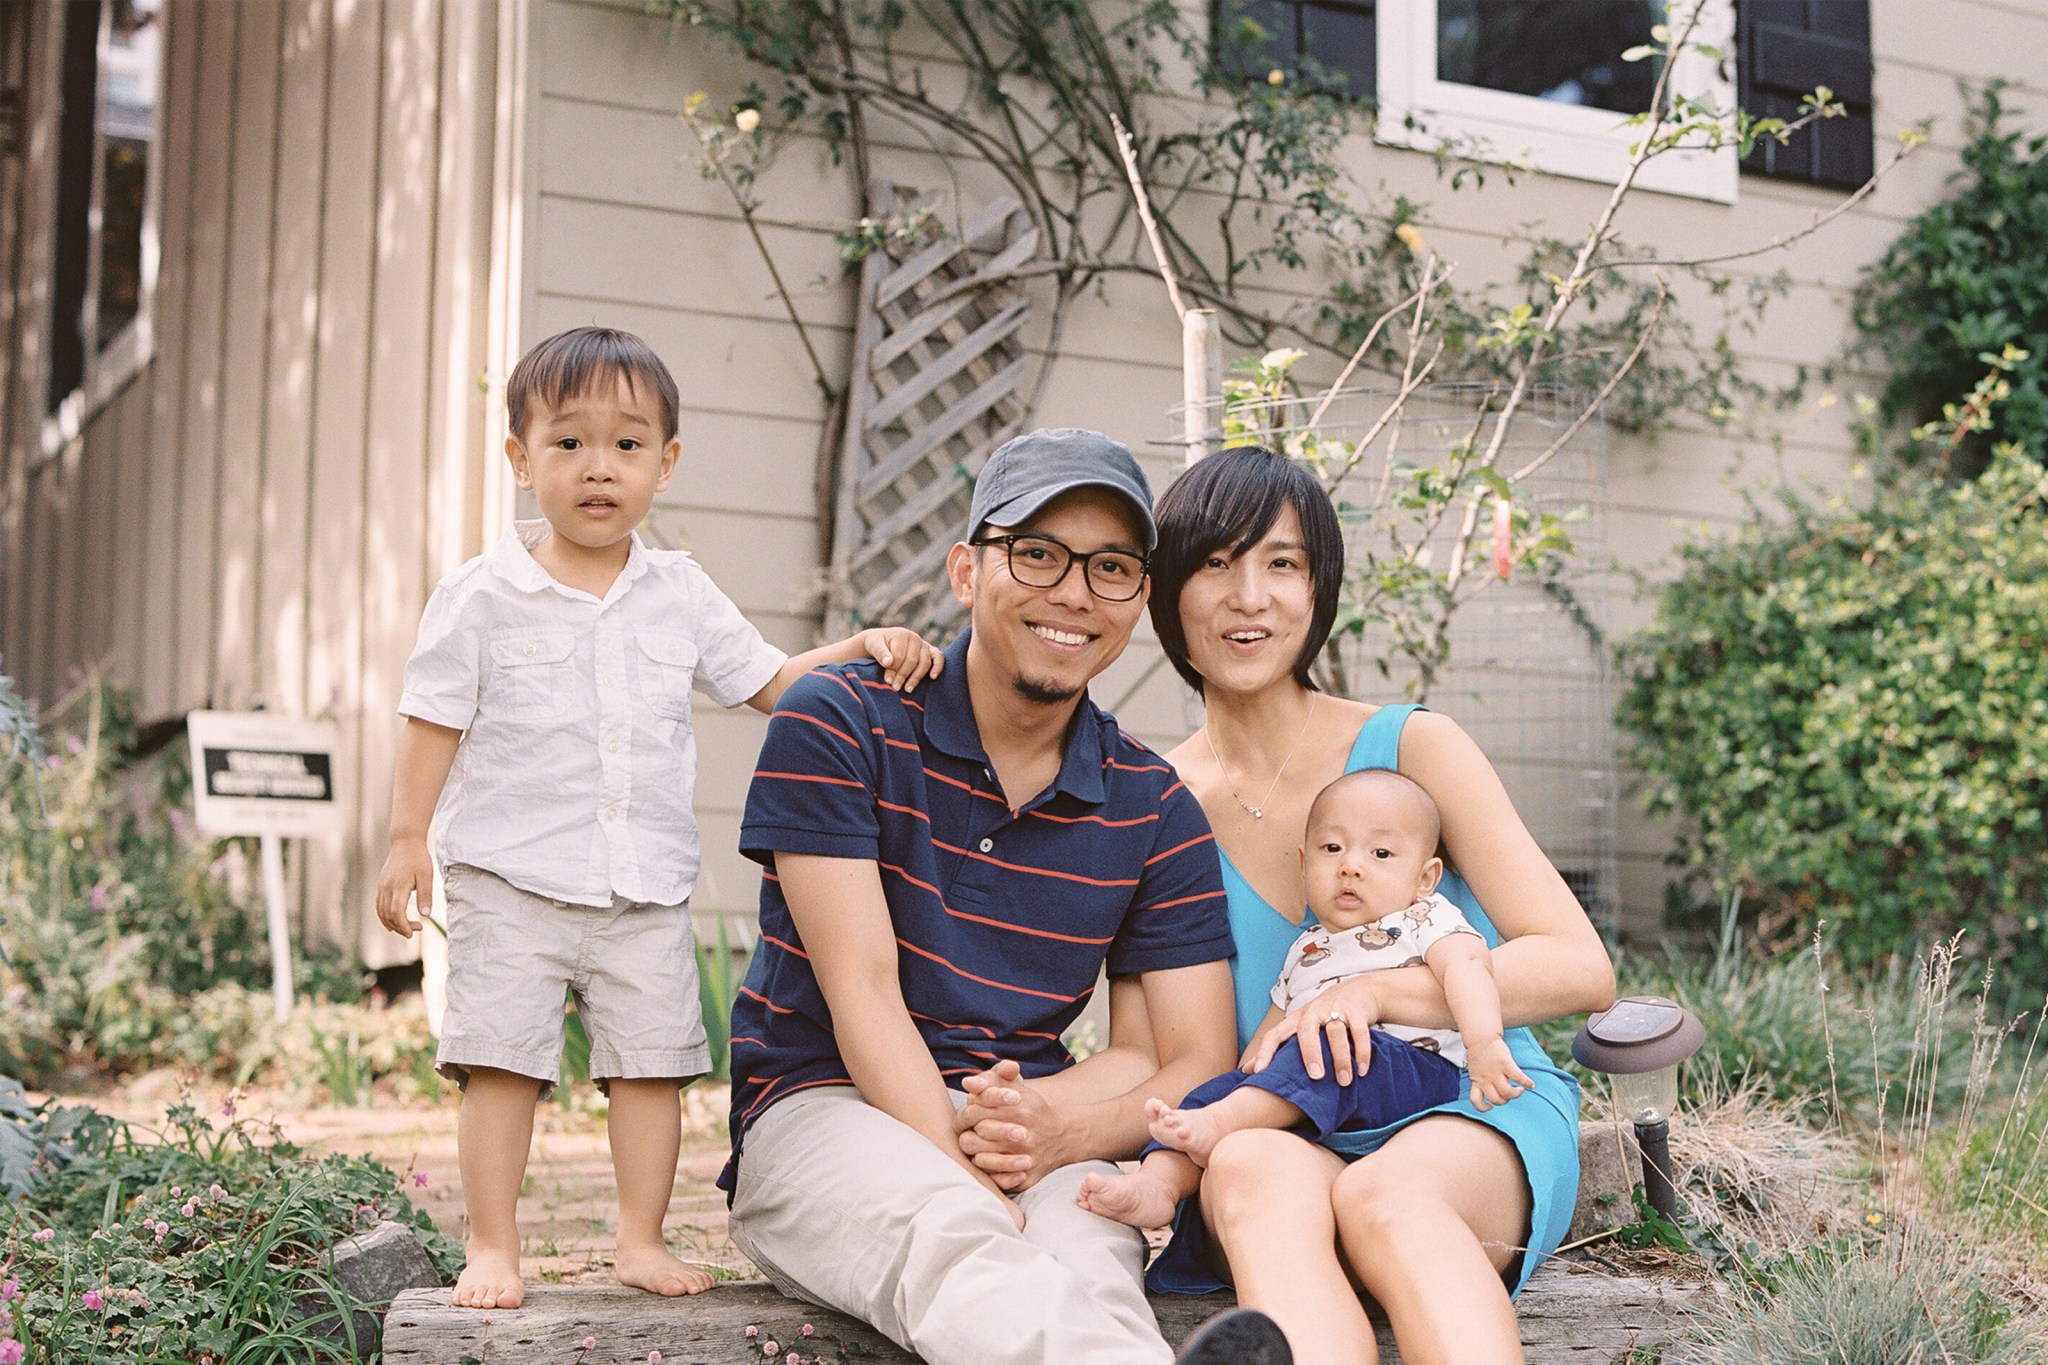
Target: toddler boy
548	742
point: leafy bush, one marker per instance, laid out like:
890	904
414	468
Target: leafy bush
1965	277
196	1243
1850	709
114	915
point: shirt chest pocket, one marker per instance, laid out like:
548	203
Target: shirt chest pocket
666	664
532	673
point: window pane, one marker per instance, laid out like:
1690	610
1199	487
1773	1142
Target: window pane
127	113
1563	50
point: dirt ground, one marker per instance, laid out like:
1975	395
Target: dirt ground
567	1212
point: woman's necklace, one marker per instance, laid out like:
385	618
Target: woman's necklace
1258	812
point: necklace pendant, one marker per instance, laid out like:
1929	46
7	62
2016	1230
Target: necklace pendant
1258	812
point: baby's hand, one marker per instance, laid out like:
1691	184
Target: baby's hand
905	658
1495	1077
408	875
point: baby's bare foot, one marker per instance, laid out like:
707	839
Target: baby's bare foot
1193	1131
656	1271
1133	1198
489	1279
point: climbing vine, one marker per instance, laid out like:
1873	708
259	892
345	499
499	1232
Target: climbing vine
1082	112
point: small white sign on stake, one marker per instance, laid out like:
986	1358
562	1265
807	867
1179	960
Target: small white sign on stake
271	776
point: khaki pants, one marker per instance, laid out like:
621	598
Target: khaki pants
843	1206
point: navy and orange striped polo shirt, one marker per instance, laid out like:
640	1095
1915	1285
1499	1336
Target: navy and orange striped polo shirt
1003	921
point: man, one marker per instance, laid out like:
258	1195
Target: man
947	874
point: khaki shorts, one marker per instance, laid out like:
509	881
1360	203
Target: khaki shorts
511	956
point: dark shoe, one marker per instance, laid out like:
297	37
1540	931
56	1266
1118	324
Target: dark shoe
1236	1336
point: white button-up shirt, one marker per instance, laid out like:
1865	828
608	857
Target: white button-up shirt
574	776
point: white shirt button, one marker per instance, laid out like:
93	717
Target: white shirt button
610	681
611	813
533	649
613	746
987	844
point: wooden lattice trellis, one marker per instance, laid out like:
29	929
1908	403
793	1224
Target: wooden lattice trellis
937	368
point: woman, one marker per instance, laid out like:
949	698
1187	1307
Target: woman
1437	1217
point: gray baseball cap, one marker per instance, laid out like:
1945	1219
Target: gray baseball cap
1029	471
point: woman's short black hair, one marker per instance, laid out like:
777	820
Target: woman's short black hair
568	363
1233	499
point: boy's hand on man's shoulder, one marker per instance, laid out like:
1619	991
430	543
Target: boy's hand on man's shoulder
408	874
906	658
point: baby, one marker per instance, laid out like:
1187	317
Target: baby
1370	868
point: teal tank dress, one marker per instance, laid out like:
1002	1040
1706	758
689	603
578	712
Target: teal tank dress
1543	1123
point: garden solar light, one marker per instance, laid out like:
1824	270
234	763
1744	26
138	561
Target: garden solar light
1639	1043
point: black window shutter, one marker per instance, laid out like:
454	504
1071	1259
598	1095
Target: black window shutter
1784	48
1329	44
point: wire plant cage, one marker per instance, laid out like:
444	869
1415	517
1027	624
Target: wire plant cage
1527	672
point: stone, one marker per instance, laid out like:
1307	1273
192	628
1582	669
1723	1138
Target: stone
1610	1169
372	1268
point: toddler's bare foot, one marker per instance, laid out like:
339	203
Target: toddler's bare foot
1132	1198
656	1271
489	1279
1193	1131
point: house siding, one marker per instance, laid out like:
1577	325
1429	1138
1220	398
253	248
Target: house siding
370	206
613	164
248	518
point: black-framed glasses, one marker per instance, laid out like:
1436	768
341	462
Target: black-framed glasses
1042	562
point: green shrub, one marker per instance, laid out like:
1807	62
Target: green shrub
1850	711
196	1242
114	915
2000	1165
1963	278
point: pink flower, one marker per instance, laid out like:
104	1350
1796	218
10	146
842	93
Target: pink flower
654	1358
590	1343
217	1192
176	1191
752	1331
419	1180
769	1348
12	1352
92	1300
190	1207
10	1288
43	1234
807	1330
98	898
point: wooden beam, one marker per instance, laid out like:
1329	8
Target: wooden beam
1566	1316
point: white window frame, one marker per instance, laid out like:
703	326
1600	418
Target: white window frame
108	369
1417	110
